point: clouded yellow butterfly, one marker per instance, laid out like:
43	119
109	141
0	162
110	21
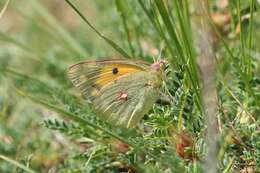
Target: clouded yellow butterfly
120	91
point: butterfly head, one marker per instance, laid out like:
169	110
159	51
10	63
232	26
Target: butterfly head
157	68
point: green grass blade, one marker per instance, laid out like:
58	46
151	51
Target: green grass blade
17	164
32	54
229	166
57	26
121	7
110	42
250	39
241	35
169	26
155	22
4	8
187	37
14	41
51	33
245	59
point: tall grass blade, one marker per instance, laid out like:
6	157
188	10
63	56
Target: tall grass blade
173	44
156	24
4	8
121	7
57	26
109	41
250	39
17	164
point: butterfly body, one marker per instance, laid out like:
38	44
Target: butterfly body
120	91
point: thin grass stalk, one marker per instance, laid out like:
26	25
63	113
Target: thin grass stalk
109	41
156	24
48	31
187	13
187	39
169	26
180	116
61	30
16	164
239	103
174	59
245	74
241	35
229	166
230	93
250	39
242	46
32	54
121	9
2	11
138	42
14	41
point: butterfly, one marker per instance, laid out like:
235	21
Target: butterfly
120	91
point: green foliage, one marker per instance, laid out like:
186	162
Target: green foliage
47	127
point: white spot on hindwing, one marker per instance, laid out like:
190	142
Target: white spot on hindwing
122	96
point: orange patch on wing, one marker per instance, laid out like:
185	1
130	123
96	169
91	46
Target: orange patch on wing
113	71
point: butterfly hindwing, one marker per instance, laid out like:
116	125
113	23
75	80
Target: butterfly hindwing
124	102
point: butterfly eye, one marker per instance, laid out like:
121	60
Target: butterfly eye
115	70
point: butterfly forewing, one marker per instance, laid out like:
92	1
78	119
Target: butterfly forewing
90	77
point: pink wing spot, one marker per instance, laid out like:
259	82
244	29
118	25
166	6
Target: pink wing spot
122	96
